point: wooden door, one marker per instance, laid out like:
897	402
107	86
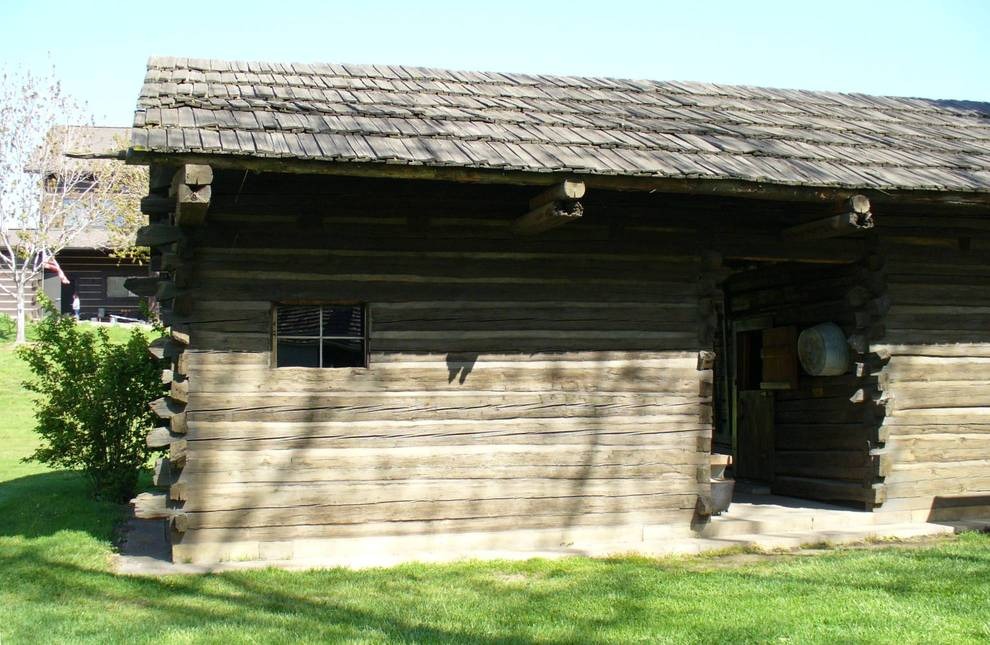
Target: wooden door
754	435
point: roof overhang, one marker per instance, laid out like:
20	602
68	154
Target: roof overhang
460	174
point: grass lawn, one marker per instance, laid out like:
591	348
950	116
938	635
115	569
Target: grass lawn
55	586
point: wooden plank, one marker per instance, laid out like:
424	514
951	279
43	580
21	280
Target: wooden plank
166	408
205	358
834	226
917	396
939	417
191	204
828	436
668	431
496	472
179	391
193	175
934	369
401	463
160	177
490	532
828	489
942	349
439	405
160	438
662	277
824	464
933	472
157	205
178	424
895	426
164	474
142	286
455	375
157	235
164	348
151	506
502	513
338	495
177	452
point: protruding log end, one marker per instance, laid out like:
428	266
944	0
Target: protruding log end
858	204
548	216
706	360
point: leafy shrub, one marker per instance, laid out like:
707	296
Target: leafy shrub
92	412
8	328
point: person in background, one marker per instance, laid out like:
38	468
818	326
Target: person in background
75	305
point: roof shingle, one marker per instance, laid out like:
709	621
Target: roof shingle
409	115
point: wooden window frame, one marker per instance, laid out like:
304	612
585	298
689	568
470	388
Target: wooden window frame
365	336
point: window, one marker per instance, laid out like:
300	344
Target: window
115	288
320	336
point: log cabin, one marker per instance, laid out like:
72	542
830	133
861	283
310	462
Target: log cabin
417	310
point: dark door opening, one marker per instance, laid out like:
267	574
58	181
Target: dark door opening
754	411
67	291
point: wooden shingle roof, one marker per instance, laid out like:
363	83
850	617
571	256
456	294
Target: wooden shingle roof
549	124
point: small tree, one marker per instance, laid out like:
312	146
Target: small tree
92	411
48	198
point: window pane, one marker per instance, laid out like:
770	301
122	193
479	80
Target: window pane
296	352
298	321
343	321
343	353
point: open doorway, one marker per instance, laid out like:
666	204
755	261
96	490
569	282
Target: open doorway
792	433
764	361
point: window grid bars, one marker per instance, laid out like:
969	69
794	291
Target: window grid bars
363	337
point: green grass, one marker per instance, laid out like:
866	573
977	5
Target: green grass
55	586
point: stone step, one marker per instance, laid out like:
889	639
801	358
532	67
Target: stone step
783	520
795	539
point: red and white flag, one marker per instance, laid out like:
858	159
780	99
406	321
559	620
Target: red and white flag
51	264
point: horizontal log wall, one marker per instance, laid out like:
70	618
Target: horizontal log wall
529	386
826	431
937	379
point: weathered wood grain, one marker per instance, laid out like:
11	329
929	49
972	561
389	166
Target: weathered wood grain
501	513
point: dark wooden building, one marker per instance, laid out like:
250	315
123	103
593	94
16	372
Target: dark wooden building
93	273
419	310
98	277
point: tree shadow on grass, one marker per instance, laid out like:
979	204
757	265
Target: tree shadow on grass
553	602
327	606
46	503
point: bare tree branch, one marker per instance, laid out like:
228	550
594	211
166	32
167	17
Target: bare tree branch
47	197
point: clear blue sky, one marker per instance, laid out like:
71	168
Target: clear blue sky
937	49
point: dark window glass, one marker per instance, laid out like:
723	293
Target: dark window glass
343	352
320	336
343	321
298	321
298	352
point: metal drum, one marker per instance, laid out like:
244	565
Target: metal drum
823	350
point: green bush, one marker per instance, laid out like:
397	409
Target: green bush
8	328
92	410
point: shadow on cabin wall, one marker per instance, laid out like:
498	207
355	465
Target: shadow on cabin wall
596	419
